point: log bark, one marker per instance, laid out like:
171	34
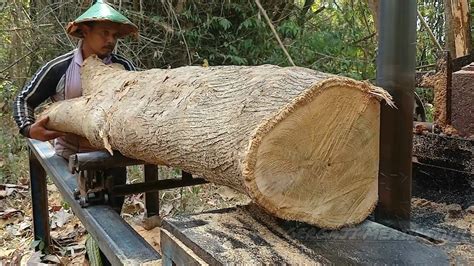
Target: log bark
304	145
458	27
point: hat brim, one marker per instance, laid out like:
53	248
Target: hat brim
73	28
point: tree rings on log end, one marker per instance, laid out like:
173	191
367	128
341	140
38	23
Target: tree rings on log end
317	160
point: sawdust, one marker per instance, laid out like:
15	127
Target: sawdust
452	218
151	236
462	254
466	222
420	129
450	130
449	214
441	101
419	202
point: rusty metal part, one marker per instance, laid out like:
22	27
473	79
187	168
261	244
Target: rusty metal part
99	160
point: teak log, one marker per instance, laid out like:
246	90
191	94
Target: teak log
304	145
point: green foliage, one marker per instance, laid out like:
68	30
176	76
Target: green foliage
433	13
7	92
427	96
289	29
336	36
13	155
429	113
338	40
65	205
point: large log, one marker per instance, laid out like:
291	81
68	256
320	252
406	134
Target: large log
304	145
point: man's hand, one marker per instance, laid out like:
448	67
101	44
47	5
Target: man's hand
39	131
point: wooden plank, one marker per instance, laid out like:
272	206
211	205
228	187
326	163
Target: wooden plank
246	235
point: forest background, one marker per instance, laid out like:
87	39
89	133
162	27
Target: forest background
335	36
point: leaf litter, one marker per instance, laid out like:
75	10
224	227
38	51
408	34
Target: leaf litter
17	245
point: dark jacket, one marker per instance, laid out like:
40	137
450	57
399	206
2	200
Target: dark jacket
45	84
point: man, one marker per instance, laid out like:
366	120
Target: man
59	79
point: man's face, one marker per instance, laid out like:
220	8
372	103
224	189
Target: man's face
101	37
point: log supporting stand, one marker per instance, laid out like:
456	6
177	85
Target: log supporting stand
152	199
39	200
117	240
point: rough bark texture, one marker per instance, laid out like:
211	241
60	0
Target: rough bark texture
302	144
458	27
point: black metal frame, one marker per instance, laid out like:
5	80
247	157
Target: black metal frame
100	160
39	196
117	240
396	73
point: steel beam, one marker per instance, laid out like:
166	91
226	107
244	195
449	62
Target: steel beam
155	185
39	200
152	200
396	74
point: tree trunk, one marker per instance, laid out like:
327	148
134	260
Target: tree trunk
374	9
304	145
458	27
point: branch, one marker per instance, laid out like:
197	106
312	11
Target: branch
307	5
425	66
425	25
274	31
16	62
364	39
181	32
26	28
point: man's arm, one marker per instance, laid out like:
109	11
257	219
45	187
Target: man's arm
37	90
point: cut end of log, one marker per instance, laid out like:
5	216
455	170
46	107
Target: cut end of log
317	160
